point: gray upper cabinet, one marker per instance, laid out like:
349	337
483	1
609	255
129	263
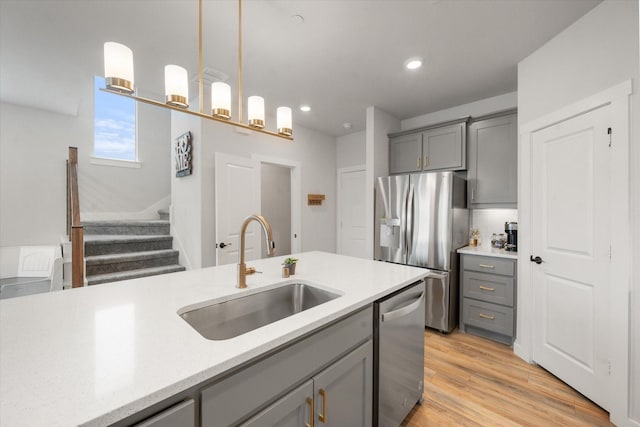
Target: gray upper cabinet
405	153
493	163
429	149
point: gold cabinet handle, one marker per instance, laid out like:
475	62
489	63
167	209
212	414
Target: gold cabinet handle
484	288
487	266
323	416
418	163
426	161
486	316
311	417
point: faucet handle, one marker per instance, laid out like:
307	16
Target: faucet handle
250	270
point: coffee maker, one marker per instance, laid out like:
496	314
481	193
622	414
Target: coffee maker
511	228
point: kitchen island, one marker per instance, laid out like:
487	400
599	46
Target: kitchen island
97	355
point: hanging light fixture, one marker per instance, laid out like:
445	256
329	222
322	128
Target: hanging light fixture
221	100
285	125
256	111
118	60
118	67
176	86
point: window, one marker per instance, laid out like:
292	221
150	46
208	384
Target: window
114	125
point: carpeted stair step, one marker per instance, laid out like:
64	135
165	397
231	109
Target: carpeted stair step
103	264
133	274
164	214
118	244
137	228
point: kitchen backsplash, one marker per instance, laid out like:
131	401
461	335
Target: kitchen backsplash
490	221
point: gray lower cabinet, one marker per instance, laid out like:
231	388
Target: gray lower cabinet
293	410
340	395
493	163
488	302
181	415
338	361
429	149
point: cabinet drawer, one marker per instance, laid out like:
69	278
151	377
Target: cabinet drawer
488	287
488	316
506	267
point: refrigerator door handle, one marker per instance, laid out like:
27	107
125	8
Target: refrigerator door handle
437	275
401	312
409	224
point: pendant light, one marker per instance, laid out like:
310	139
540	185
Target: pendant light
118	67
221	100
283	116
118	64
256	111
176	86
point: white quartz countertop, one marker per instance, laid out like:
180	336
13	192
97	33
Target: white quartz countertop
487	251
93	356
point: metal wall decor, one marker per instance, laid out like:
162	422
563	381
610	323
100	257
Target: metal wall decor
184	155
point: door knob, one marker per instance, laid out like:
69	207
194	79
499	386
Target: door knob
537	259
224	245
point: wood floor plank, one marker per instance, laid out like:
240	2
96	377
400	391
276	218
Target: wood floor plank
471	381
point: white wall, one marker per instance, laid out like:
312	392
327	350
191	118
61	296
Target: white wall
473	109
598	51
316	154
350	150
33	151
379	124
276	205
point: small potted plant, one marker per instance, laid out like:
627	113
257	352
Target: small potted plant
290	263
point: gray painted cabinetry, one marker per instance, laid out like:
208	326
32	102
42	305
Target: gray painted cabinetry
493	162
488	303
329	371
429	149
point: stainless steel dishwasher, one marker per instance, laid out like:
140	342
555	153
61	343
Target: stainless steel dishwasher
399	354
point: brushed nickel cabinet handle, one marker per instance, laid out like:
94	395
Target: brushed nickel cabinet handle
485	288
323	416
486	316
487	266
311	416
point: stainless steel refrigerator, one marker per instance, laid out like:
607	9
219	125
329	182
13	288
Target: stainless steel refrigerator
421	220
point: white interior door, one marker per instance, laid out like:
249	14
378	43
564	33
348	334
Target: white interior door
571	234
237	195
351	212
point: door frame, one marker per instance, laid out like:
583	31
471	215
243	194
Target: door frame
617	97
339	172
296	196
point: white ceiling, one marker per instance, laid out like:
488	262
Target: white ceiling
346	56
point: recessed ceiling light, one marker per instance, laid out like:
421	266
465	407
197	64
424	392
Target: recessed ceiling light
413	63
347	125
305	108
297	19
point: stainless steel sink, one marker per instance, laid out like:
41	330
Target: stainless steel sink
234	317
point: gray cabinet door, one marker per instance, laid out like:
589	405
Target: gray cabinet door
293	410
181	415
493	162
344	391
405	153
444	148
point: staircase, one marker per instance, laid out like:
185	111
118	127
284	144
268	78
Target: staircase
120	250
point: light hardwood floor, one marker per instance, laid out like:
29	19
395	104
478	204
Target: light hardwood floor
470	381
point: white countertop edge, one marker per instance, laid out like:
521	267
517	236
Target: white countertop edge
487	251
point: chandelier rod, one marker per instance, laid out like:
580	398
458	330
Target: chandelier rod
200	81
240	61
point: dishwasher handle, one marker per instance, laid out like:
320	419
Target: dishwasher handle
401	312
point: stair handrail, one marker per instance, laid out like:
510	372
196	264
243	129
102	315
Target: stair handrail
74	226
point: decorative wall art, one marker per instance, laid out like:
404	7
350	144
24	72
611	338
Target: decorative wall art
184	155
